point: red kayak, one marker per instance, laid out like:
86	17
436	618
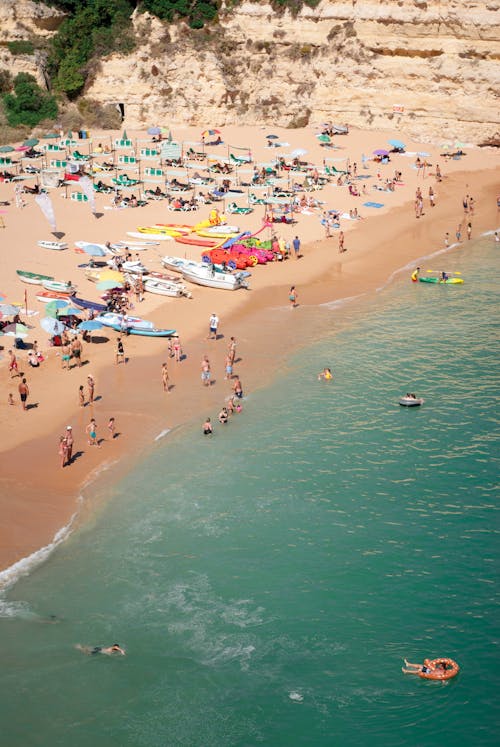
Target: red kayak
198	241
46	296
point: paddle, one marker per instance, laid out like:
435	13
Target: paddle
448	272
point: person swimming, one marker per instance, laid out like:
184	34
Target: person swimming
107	650
325	374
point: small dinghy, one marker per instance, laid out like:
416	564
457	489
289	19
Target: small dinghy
411	401
57	246
59	287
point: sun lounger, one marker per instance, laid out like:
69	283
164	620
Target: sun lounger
233	209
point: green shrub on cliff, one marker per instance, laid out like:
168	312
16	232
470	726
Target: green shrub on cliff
28	104
196	12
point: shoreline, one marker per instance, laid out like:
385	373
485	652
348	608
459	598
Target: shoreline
378	250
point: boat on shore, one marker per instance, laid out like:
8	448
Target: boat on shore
123	322
59	286
166	288
153	332
33	278
47	296
57	246
210	277
82	303
157	236
177	264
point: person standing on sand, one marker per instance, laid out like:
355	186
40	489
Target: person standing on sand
237	388
23	393
228	368
164	378
292	297
65	356
432	197
91	388
341	242
63	450
469	230
76	349
458	232
177	349
231	350
213	325
205	371
13	369
69	443
91	431
447	239
81	396
296	247
120	352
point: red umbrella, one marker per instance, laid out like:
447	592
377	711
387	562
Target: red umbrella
210	133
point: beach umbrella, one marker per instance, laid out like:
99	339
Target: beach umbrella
124	135
154	130
272	137
324	138
53	307
52	326
111	275
94	250
22	148
9	309
210	133
16	330
6	149
396	143
89	325
109	285
31	142
69	311
50	136
380	152
298	152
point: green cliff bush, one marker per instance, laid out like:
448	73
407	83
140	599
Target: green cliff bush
28	104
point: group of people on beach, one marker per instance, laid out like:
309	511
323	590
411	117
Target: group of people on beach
233	403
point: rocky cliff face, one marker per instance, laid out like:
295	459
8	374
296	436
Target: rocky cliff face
428	66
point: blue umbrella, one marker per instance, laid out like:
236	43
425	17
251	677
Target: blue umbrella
90	325
272	137
52	326
94	250
154	130
109	284
69	311
396	143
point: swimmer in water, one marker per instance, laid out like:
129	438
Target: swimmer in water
325	374
107	650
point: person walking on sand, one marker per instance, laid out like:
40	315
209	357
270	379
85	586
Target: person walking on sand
91	388
205	371
111	428
341	242
447	239
231	350
292	297
164	378
296	247
228	368
23	393
432	197
469	230
81	396
213	325
458	232
69	443
13	368
91	431
120	352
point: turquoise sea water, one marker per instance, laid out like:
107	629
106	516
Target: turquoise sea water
267	582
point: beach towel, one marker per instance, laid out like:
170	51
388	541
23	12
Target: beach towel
373	204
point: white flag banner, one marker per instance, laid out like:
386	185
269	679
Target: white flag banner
88	191
45	204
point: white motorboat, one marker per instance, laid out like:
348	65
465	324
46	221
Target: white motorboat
411	401
59	287
221	229
134	267
178	264
206	274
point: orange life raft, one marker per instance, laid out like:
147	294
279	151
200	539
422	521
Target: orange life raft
440	669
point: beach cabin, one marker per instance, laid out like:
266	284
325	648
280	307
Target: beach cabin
152	171
149	153
127	160
120	143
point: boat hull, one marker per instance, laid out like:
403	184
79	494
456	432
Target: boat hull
411	402
33	278
218	280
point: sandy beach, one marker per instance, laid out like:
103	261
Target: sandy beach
37	497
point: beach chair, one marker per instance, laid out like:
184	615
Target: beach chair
233	209
254	200
238	160
78	197
76	156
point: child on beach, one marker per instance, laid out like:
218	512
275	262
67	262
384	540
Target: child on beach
111	428
91	430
